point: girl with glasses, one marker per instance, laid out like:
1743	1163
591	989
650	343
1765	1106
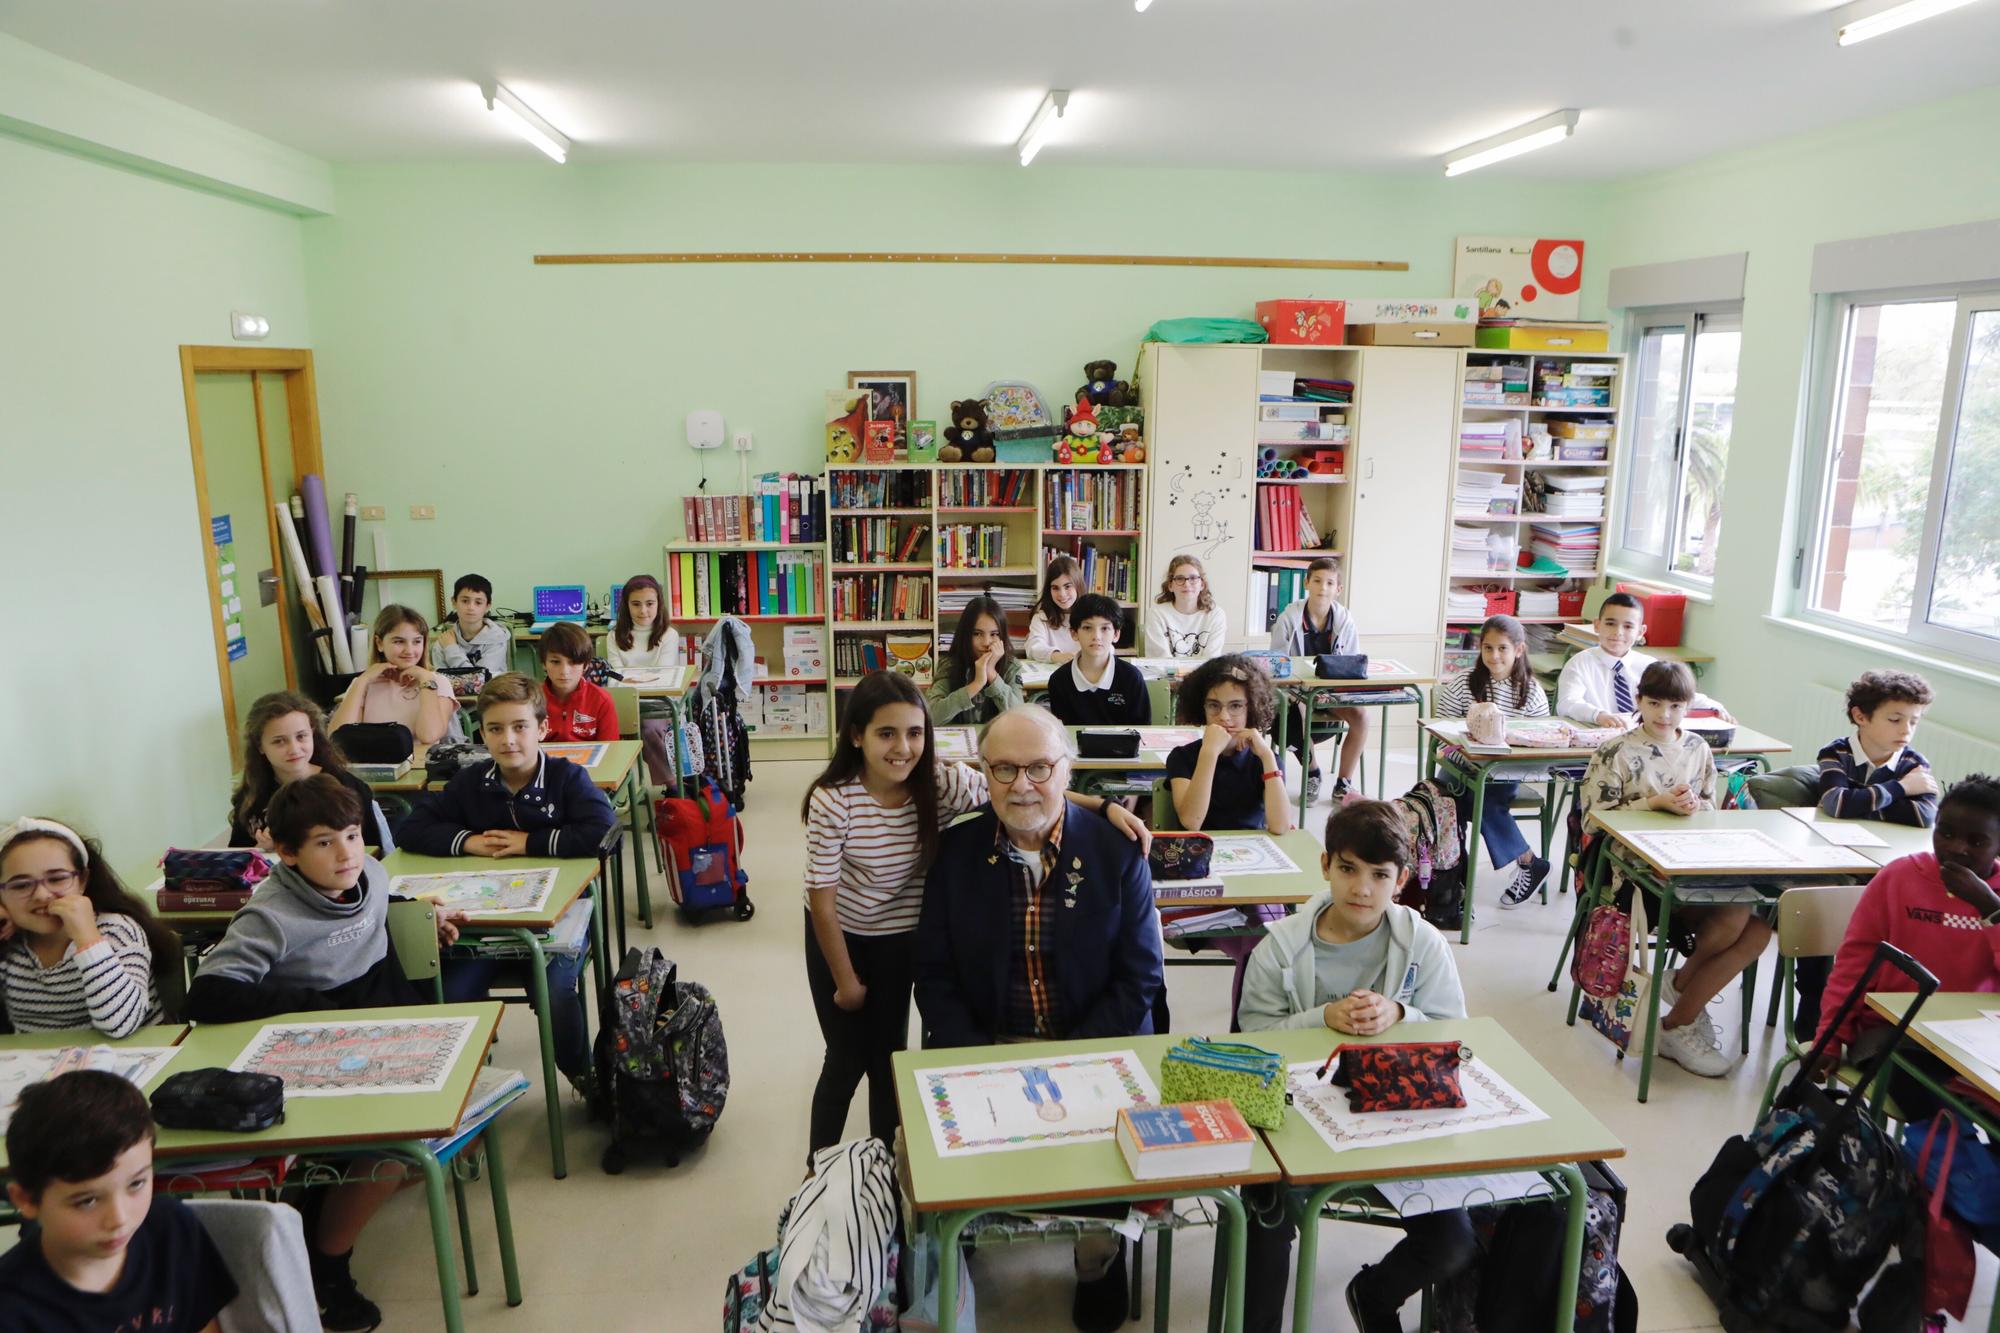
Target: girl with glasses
1229	779
1185	621
77	950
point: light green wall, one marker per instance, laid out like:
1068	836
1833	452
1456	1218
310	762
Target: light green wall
1930	166
541	409
109	708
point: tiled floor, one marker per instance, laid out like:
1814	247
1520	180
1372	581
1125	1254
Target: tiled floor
650	1249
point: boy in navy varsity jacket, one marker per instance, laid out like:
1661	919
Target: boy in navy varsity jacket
1870	774
523	803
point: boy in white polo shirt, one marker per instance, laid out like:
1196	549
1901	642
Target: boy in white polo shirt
1599	687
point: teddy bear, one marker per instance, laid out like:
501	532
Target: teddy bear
1105	389
966	438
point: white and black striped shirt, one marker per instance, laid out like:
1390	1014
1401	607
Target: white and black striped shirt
1454	698
869	854
108	986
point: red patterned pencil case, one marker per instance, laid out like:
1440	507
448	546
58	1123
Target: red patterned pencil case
1400	1075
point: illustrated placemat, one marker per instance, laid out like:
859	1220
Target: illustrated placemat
1490	1103
578	752
1254	854
482	892
337	1059
1006	1105
19	1069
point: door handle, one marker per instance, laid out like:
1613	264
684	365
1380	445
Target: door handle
267	587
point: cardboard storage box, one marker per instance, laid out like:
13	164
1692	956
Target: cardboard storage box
1447	333
1304	322
1444	322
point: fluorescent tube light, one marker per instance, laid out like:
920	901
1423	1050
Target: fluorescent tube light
1522	139
1142	5
1042	125
1892	18
521	119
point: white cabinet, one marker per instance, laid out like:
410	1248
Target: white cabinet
1405	411
1201	413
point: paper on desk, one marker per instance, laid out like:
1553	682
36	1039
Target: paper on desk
1748	849
954	743
1839	832
1412	1197
1250	854
1977	1037
1490	1103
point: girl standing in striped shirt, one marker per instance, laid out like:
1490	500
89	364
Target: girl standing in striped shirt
76	949
872	821
1502	677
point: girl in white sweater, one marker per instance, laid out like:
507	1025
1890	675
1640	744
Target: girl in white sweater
1185	621
642	637
1051	638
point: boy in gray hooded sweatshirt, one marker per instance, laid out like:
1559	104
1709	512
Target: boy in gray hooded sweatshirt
315	936
1353	961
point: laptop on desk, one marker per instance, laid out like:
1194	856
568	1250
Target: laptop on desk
557	603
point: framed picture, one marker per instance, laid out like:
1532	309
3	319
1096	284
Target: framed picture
892	395
923	441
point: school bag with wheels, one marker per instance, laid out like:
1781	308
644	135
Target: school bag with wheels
701	841
715	706
1437	879
1792	1220
662	1063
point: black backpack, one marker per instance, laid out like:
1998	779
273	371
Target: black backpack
662	1064
1792	1220
1512	1287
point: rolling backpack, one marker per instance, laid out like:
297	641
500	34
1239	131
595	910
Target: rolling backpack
662	1064
701	841
1437	882
1792	1220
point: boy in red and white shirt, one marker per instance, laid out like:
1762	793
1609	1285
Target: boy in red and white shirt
578	710
1941	907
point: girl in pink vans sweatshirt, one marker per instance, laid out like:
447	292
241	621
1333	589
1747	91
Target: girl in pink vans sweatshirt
1942	907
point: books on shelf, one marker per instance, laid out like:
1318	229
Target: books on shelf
1084	501
744	583
869	488
970	489
1113	573
1272	590
870	539
1476	549
1184	1139
1283	522
1317	390
1485	493
1573	384
857	655
781	507
971	545
1573	546
952	597
881	597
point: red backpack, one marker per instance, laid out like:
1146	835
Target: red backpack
700	840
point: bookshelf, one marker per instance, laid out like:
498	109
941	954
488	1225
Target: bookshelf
987	528
1306	433
1538	433
774	588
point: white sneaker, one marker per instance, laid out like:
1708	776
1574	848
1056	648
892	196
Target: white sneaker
1670	997
1688	1047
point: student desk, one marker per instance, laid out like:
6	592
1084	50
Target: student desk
1704	883
1898	840
358	1125
952	1193
526	930
1316	1175
1579	637
1257	890
1390	684
1523	764
159	1034
617	773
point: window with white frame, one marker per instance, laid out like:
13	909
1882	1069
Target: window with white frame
1680	410
1905	538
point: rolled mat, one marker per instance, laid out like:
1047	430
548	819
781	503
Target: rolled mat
329	596
295	555
357	645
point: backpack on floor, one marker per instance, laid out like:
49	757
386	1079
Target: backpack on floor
662	1064
1512	1286
1791	1221
1437	883
700	841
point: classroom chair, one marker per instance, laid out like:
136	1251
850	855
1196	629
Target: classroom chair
1812	921
413	930
1161	692
626	700
264	1247
1165	819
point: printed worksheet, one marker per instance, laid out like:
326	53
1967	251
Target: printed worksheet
1250	854
334	1059
1162	739
664	677
1006	1105
1977	1037
1737	849
19	1069
1839	832
482	892
578	752
955	743
1490	1103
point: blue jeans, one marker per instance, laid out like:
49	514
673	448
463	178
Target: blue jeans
1504	843
473	978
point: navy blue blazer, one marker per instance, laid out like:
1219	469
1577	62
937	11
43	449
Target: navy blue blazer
1108	965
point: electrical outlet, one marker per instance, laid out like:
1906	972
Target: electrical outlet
375	513
743	441
423	511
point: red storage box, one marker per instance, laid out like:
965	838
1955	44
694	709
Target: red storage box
1664	613
1316	322
1502	603
1569	602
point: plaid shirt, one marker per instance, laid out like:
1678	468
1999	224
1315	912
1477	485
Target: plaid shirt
1032	1011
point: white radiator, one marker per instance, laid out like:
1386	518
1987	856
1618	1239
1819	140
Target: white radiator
1816	714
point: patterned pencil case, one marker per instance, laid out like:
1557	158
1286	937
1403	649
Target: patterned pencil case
1400	1075
1180	855
1249	1077
237	1101
1107	743
466	682
221	867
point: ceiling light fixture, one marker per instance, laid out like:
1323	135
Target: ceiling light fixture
1042	125
1522	139
1142	5
521	119
1894	17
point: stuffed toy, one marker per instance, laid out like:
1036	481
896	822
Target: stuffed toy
1062	450
966	437
1105	389
1130	450
1080	434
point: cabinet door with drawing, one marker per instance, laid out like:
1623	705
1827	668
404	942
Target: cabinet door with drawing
1201	413
1402	481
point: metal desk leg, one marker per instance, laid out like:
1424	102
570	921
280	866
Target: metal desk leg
1475	846
538	992
1577	1209
1662	952
447	1267
636	800
1163	1279
503	1216
464	1231
1307	1220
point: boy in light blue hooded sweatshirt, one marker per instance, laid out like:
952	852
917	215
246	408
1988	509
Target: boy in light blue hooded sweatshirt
1354	961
